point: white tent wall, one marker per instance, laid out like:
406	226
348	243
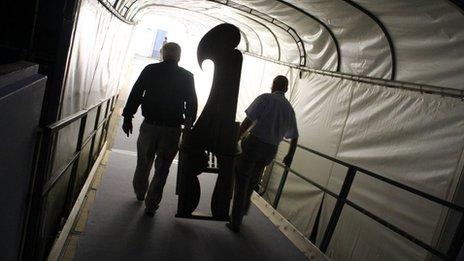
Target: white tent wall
256	78
97	57
428	38
95	71
364	49
410	137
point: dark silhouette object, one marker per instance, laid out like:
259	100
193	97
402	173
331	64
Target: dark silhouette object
216	129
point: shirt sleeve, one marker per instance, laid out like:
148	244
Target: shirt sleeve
292	131
136	95
191	103
256	108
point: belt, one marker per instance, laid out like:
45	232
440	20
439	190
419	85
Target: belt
161	123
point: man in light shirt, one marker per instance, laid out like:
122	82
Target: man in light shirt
270	118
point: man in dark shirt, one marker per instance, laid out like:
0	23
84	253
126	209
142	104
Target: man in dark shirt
167	95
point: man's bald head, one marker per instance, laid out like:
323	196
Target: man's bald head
171	51
280	84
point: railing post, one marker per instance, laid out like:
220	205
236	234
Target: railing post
338	208
92	145
283	179
33	245
73	178
108	114
280	189
102	135
458	240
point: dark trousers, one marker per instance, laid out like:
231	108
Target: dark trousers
160	143
256	155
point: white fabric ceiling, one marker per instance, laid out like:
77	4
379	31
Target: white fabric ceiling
417	41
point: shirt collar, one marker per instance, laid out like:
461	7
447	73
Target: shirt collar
170	61
279	92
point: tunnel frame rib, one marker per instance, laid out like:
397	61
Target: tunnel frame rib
115	12
385	32
326	27
392	83
270	31
290	30
212	17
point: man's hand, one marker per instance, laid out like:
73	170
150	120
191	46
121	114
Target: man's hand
291	152
127	125
288	160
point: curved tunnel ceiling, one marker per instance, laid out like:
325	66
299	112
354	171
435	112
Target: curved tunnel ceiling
419	41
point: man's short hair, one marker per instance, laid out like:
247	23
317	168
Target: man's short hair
281	83
171	51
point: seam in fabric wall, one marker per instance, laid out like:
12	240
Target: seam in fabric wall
68	59
343	128
331	170
98	61
125	60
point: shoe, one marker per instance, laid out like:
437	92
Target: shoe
151	213
233	228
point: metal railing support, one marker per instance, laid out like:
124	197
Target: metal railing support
92	145
278	195
73	179
283	179
44	178
338	208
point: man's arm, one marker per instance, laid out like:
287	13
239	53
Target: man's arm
292	134
244	128
191	104
133	103
291	152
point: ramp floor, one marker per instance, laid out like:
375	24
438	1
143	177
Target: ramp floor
117	228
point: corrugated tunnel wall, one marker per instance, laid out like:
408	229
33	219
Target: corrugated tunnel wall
410	136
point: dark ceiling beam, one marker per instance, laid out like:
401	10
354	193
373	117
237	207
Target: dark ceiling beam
332	35
385	32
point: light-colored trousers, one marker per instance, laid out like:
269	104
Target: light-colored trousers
159	144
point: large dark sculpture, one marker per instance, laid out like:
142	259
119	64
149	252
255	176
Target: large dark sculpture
215	130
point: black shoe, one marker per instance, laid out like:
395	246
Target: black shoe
233	228
151	213
140	198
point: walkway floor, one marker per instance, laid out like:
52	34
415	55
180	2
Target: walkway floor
117	228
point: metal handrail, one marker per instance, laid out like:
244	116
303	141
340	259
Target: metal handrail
55	177
342	199
45	179
56	126
387	180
